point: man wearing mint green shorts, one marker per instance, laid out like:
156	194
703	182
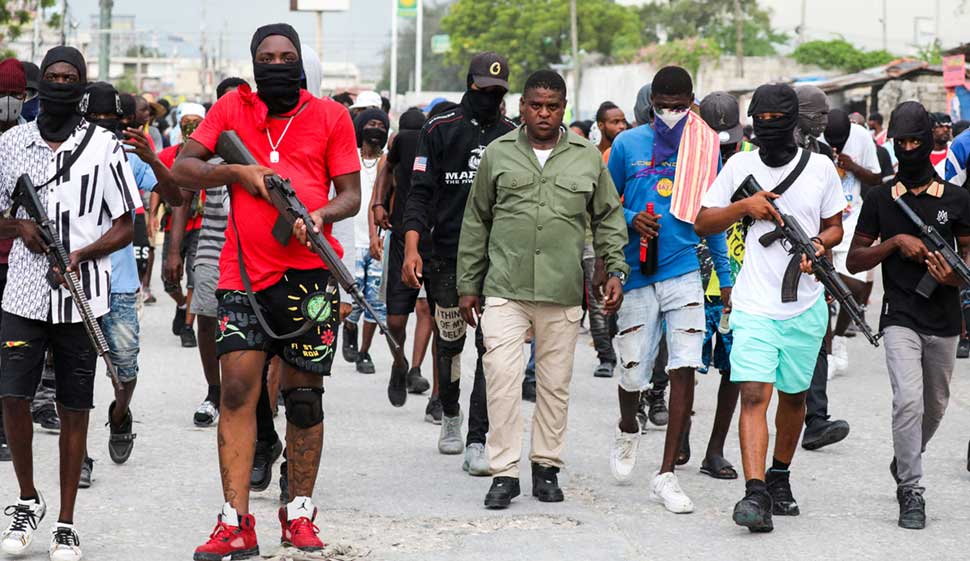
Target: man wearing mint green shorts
775	343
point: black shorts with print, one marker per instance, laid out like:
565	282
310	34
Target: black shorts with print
295	298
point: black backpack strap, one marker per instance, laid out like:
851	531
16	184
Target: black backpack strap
73	157
791	177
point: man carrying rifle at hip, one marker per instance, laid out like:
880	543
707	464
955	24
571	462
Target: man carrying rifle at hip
921	307
82	197
776	339
268	290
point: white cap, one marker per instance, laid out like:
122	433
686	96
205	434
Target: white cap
366	99
188	108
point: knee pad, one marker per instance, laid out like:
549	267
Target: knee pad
304	406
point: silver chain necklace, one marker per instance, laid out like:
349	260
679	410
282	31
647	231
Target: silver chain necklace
274	155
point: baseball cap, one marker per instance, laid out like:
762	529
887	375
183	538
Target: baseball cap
32	72
721	112
101	97
489	69
367	99
941	119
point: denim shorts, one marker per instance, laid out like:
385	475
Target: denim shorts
368	273
120	327
676	302
779	352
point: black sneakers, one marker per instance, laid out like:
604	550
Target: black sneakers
397	386
656	408
121	440
46	417
912	508
503	490
365	365
417	384
754	510
349	346
263	460
284	481
529	391
963	349
545	484
824	433
188	337
779	487
604	370
178	322
434	411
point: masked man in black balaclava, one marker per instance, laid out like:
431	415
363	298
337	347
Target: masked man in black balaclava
449	151
69	160
311	142
775	343
921	331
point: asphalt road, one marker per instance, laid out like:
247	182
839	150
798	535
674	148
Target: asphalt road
385	493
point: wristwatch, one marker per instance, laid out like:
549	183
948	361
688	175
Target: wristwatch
619	275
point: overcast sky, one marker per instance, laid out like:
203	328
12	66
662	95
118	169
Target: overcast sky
360	35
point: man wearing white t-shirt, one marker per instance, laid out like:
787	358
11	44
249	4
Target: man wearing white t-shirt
857	164
775	343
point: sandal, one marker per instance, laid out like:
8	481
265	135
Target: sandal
719	468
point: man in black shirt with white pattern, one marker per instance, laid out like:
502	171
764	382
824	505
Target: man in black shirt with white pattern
91	203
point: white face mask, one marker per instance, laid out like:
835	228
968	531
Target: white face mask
670	117
10	108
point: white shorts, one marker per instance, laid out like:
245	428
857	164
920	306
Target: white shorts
839	258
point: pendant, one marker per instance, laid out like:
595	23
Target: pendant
274	157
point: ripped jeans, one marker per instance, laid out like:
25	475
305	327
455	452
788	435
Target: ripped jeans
678	302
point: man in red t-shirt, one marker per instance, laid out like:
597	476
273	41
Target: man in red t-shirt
310	141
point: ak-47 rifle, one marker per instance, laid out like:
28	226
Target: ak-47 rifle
800	244
25	196
934	242
282	196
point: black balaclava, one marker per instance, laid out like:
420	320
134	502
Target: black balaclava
776	137
102	98
412	119
837	130
59	114
485	106
911	120
374	137
278	85
813	116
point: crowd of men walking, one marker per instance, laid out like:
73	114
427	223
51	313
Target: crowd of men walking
668	234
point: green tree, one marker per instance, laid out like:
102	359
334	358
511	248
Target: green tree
437	73
534	34
840	54
15	16
711	19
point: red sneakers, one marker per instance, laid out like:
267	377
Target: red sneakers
300	533
230	543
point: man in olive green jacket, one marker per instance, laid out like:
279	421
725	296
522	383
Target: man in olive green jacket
521	249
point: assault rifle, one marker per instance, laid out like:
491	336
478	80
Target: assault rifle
282	196
798	244
25	196
934	242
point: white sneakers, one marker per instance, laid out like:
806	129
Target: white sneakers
26	516
476	460
666	490
839	359
450	440
623	454
65	545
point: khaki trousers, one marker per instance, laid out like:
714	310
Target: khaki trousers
504	326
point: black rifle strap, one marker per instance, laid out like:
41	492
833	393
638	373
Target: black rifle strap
244	275
73	157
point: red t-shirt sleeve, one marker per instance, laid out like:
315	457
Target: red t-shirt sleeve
341	157
167	156
215	122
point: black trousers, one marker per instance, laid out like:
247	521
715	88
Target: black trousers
817	400
450	338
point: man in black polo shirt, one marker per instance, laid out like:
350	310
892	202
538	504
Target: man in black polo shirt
920	333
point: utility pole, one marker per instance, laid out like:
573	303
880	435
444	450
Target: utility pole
801	26
204	64
577	67
739	35
885	35
393	53
104	44
319	38
64	19
419	47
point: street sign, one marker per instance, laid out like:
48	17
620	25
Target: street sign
440	44
319	5
407	8
954	71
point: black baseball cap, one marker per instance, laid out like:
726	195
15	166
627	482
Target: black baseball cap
721	112
101	98
489	69
32	72
941	119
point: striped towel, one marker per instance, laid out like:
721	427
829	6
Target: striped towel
697	160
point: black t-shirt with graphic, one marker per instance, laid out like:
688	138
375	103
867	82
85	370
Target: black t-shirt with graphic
944	206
